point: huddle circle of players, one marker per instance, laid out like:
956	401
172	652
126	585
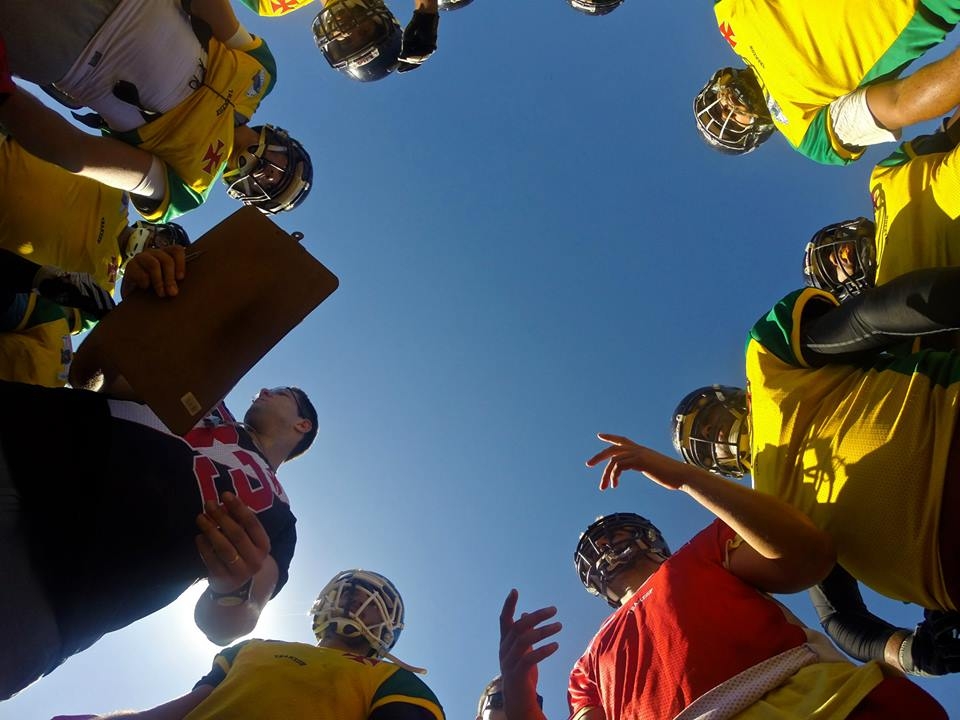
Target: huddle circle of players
847	423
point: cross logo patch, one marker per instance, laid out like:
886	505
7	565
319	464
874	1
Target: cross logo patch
213	157
728	34
284	6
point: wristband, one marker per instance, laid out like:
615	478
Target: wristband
234	597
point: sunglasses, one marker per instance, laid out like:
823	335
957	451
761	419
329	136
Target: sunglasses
495	701
290	392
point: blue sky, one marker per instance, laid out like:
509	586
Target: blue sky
533	246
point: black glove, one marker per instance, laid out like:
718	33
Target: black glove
73	289
419	40
934	647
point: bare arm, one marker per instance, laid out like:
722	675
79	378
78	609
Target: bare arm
219	15
49	136
235	548
783	551
426	6
173	710
930	92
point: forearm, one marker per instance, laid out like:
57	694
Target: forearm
224	624
770	526
921	302
219	15
846	619
430	6
174	710
928	93
50	137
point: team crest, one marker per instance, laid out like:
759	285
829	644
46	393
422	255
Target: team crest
879	199
775	112
256	84
213	157
728	34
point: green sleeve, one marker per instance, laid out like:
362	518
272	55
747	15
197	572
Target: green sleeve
404	683
816	143
774	330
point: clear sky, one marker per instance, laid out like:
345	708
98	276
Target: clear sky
533	246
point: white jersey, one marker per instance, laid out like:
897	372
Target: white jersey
146	56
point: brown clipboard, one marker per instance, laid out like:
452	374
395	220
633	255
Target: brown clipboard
248	283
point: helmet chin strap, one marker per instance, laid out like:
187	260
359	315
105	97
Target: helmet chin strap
340	625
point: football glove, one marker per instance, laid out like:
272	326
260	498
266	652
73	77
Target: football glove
934	647
419	40
73	289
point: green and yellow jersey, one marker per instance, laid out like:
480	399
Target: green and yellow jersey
268	678
809	53
916	203
53	217
275	8
861	450
39	350
195	139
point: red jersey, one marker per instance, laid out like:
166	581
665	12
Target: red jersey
691	626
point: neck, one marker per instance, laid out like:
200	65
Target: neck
357	646
273	452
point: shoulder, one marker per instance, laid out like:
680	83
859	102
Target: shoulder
778	331
403	686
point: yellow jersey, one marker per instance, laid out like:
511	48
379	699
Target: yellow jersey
195	139
861	450
275	8
272	679
916	203
808	53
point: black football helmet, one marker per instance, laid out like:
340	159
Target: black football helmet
711	430
452	4
597	563
595	7
360	38
715	120
842	258
258	180
153	236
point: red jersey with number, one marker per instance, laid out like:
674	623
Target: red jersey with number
691	626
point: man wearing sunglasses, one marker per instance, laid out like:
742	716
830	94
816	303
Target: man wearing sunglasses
99	529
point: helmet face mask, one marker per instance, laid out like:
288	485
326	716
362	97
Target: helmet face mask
259	180
595	7
154	236
842	258
710	430
360	604
715	106
610	545
360	38
452	4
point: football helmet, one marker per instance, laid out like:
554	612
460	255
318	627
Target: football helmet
346	604
259	181
598	563
711	430
595	7
842	258
360	38
144	235
453	4
715	119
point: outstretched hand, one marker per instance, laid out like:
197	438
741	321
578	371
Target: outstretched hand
518	658
233	543
625	454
